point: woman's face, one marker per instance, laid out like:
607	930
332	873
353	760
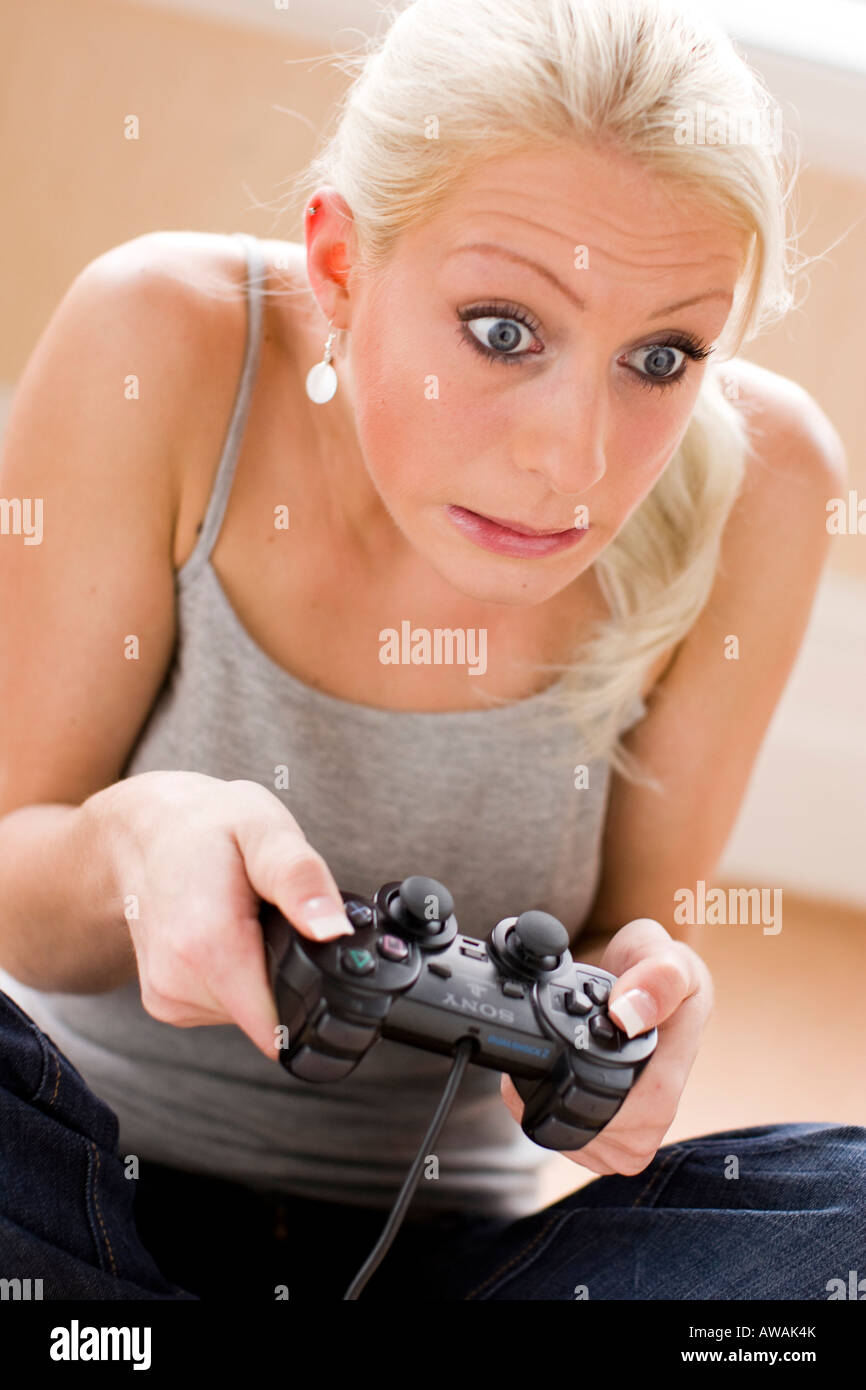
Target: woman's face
519	359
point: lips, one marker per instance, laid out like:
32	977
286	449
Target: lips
503	538
520	528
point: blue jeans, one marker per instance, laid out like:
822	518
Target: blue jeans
769	1212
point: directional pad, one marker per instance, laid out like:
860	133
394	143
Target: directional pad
603	1030
598	990
576	1002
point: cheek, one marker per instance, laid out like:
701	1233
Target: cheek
652	435
388	408
642	449
418	413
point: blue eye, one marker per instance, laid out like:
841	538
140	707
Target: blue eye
661	357
502	335
497	330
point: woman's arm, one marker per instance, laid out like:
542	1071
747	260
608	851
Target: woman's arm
708	716
95	437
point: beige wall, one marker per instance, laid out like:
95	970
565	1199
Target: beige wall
212	145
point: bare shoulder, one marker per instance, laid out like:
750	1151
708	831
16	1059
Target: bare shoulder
206	271
177	322
775	538
192	288
196	282
192	277
784	419
795	462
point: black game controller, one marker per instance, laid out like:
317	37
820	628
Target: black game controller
407	974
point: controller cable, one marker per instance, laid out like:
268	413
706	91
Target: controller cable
463	1052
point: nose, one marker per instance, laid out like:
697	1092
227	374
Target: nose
562	438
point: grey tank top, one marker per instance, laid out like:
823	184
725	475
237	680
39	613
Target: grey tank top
484	801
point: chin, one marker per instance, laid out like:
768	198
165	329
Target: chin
518	587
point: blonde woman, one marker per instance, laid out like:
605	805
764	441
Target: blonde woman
493	391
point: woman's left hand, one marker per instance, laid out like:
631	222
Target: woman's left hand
676	996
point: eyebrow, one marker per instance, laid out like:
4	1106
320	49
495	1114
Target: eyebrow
569	294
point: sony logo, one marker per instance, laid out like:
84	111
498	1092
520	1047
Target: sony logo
473	1006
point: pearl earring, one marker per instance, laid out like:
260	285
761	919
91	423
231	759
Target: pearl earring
321	378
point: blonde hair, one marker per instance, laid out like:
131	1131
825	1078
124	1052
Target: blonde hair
499	76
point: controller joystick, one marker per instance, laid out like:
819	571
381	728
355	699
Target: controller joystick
531	944
420	907
408	975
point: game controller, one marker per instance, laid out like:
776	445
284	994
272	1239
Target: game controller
407	974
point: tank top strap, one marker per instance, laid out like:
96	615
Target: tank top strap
218	501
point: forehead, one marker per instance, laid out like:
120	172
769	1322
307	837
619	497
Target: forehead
548	202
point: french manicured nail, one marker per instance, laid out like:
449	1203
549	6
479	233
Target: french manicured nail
325	918
635	1011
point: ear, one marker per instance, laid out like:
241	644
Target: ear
329	239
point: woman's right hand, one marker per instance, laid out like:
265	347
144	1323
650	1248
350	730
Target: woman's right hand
193	855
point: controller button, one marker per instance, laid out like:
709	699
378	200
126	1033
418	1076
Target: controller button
576	1002
357	960
513	989
392	948
316	1066
336	1032
359	914
438	967
602	1029
410	907
598	990
538	940
474	952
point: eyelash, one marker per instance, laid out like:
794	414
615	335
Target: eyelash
694	348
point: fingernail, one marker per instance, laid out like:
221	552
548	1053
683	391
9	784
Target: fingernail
325	918
635	1011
